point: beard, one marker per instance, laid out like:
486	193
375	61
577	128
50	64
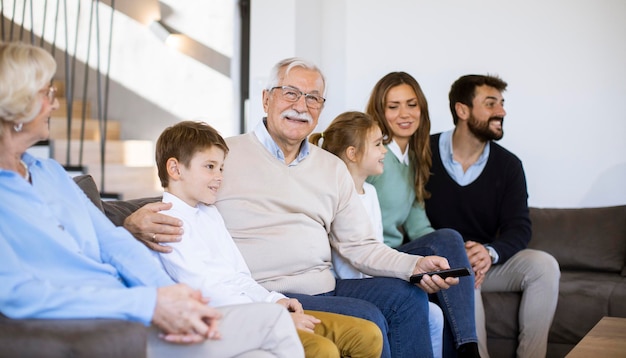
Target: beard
482	130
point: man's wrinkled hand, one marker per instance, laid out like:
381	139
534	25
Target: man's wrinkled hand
152	228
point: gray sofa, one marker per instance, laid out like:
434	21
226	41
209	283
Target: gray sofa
588	243
52	338
590	246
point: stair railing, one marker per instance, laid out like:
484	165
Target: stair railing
61	21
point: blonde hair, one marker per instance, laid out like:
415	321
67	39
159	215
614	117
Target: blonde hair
24	70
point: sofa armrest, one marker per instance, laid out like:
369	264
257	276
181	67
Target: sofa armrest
115	210
118	210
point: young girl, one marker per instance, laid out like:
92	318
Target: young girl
358	140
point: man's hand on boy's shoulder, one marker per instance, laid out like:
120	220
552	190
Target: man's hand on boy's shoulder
152	228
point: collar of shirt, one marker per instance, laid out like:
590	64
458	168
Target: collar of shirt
454	168
186	209
395	149
28	158
264	137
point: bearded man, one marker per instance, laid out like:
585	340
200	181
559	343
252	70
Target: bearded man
479	189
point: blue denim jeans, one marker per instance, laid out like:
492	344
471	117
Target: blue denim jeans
399	308
457	302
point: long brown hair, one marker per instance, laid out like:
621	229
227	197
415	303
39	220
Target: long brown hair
419	145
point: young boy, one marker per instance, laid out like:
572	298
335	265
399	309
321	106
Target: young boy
190	160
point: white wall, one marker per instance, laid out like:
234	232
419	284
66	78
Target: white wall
564	60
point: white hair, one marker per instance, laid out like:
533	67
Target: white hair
24	70
288	64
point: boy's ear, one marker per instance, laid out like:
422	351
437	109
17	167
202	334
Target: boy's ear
173	168
351	153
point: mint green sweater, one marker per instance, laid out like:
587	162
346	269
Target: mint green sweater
401	213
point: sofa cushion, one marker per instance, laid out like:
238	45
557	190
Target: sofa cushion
582	239
88	185
118	210
502	320
115	210
617	301
49	338
584	298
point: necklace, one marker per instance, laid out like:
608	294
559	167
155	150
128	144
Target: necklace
27	173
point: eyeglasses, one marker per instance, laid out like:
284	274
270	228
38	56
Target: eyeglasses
52	93
292	94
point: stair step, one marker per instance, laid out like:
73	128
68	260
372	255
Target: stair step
134	153
130	182
58	129
60	86
77	108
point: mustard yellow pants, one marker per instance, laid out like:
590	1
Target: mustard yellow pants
341	336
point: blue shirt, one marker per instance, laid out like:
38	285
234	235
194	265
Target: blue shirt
454	168
268	142
60	257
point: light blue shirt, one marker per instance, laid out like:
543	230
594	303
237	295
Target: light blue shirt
454	168
60	257
264	137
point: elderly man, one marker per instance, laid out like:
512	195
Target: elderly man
287	204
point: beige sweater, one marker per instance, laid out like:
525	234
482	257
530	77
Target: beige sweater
283	219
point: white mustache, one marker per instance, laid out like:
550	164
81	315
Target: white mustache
293	114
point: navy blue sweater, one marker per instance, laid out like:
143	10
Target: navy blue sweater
493	209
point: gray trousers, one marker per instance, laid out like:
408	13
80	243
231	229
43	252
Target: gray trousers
255	330
536	274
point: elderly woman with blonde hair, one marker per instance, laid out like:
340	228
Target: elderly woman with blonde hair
63	259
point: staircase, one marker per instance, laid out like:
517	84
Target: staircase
79	34
130	171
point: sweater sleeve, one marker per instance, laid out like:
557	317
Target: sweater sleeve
515	227
353	237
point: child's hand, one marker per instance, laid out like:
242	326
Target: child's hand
434	284
304	322
291	304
